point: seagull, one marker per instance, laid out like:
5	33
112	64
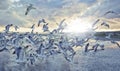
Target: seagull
3	49
40	21
95	22
114	42
45	27
95	47
32	27
110	12
16	28
86	47
61	22
7	27
105	24
32	59
30	7
102	46
61	25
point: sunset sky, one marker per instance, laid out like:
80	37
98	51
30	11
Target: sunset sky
53	11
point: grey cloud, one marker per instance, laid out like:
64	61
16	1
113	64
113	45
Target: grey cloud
4	4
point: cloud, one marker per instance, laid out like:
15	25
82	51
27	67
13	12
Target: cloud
103	6
4	4
12	11
14	1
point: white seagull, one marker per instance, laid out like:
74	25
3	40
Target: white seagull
30	7
40	21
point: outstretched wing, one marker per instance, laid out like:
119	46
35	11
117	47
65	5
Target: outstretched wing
33	26
40	21
95	22
108	12
105	24
61	22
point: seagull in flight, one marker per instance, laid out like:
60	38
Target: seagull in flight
16	28
7	27
95	22
105	24
30	7
114	42
40	21
86	47
60	25
32	26
110	12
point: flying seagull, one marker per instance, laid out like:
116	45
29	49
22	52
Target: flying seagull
7	27
30	7
16	28
105	24
86	47
110	12
60	25
40	21
114	42
32	27
95	22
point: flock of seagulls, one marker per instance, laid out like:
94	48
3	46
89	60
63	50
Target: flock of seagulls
28	45
31	46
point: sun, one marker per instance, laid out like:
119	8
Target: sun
78	26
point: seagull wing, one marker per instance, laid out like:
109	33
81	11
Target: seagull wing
107	25
116	43
61	22
43	20
110	12
39	23
107	12
27	10
33	26
95	22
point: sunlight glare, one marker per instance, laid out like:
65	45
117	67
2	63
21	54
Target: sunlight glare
78	26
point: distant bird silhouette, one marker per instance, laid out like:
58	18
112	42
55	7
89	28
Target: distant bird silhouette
30	7
114	42
105	24
40	21
110	12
